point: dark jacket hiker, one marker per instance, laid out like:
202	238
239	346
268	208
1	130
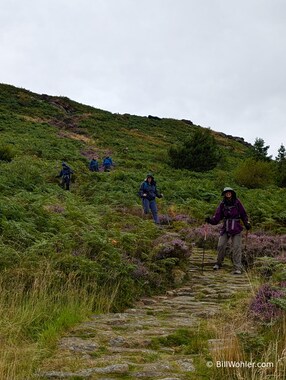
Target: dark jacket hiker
107	163
93	165
232	212
65	175
148	193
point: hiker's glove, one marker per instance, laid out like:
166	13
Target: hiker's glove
248	226
208	220
160	196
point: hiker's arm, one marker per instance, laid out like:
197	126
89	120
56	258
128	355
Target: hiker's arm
158	195
141	191
218	216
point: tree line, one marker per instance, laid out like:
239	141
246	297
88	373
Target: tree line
201	153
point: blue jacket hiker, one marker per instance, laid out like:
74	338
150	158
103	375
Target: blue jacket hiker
232	212
93	165
107	163
65	175
148	193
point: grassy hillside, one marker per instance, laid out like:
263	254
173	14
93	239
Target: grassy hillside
90	248
102	212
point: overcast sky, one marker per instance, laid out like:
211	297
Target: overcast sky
219	63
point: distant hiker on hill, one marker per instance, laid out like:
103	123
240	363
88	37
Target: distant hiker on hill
93	165
231	211
148	193
65	175
107	163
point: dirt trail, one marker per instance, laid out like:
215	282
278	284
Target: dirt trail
117	346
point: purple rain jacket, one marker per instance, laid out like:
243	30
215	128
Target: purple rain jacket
231	214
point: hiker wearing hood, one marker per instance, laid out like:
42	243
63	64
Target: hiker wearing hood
93	165
148	193
107	163
232	212
65	175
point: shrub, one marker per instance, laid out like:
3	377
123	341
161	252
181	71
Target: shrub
271	268
170	245
6	153
281	175
260	244
254	174
256	245
200	153
196	236
262	306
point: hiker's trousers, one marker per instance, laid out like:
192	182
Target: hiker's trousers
66	183
150	205
236	249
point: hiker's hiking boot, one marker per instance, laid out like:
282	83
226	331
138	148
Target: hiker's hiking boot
237	271
216	267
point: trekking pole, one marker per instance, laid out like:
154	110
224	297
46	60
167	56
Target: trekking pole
204	247
245	245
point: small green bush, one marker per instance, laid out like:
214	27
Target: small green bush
281	173
6	153
254	174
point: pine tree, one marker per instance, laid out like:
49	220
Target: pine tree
281	166
259	152
199	153
281	154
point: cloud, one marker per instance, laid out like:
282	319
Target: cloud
218	63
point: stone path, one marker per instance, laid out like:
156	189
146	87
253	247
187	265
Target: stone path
118	346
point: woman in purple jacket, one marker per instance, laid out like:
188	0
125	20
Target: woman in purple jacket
231	211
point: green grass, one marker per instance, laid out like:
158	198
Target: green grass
185	341
33	317
94	235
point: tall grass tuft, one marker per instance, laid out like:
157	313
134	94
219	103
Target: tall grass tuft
33	316
246	350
